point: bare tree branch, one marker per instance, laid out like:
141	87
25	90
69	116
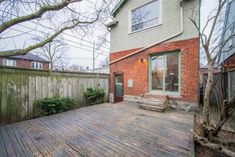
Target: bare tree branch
35	15
49	39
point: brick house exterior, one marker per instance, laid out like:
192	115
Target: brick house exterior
137	65
229	63
26	61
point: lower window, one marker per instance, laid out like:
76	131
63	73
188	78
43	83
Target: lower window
165	72
9	62
36	65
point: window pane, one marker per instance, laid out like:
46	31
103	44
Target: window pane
150	22
157	72
9	62
172	72
4	62
118	79
138	26
145	16
118	86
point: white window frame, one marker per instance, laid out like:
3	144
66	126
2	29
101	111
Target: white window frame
160	92
143	4
9	62
37	65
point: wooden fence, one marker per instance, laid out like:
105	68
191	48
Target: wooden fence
19	88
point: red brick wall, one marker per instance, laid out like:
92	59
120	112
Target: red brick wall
116	55
229	63
134	69
26	64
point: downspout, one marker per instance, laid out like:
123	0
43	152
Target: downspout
181	23
176	35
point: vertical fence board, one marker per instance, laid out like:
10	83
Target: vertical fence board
50	86
24	97
32	94
69	87
44	87
38	88
4	99
13	97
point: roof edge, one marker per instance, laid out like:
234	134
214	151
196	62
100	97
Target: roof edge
118	6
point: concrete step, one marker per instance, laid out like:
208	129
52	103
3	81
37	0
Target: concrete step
152	102
157	108
158	103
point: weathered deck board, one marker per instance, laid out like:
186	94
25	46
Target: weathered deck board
103	131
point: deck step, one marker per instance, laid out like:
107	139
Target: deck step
157	108
152	101
159	104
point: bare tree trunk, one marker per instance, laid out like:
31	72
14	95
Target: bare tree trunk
51	66
208	88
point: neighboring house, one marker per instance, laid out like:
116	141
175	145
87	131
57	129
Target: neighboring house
227	57
28	61
154	51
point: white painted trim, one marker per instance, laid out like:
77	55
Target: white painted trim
160	12
171	37
158	92
144	29
129	22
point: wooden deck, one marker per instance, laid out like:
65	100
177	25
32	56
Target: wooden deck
103	130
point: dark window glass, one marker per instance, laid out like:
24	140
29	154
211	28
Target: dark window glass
157	72
165	72
172	72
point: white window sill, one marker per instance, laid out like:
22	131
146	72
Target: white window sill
144	29
171	94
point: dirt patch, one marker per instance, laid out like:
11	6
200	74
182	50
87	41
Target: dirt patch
201	151
224	136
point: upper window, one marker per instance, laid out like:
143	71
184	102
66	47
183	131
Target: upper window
36	65
145	16
9	62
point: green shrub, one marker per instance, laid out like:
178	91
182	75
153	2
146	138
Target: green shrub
95	95
48	106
